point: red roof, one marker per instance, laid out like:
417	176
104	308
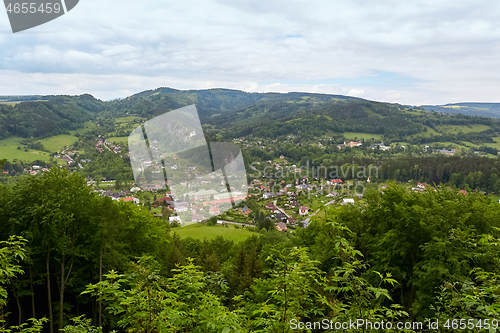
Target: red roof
164	199
336	181
128	199
270	205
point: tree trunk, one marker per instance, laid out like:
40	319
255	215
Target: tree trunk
49	294
19	309
61	294
33	309
100	280
64	280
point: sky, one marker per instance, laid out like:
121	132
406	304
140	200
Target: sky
419	52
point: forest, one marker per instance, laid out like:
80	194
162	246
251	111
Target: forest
72	261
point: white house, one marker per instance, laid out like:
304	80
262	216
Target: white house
303	210
174	219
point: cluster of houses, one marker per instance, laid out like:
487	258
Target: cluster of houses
103	144
34	170
125	196
350	144
380	146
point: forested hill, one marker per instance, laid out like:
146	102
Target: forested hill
233	113
491	110
47	115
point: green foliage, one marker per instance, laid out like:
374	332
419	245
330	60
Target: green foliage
32	326
424	238
53	116
81	325
12	252
144	301
396	255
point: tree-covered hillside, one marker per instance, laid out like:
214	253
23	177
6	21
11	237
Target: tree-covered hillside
232	113
51	115
490	110
85	263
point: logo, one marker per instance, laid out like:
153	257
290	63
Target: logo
204	179
26	14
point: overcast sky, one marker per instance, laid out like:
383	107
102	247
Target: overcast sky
423	52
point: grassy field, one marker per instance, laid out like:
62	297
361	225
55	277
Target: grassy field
204	232
455	129
360	135
88	126
58	142
427	133
119	139
9	151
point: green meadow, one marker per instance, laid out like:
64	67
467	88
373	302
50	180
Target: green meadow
9	150
455	129
58	142
119	139
205	232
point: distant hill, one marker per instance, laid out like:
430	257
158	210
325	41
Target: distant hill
490	110
227	114
42	116
25	98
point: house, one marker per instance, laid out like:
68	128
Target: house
281	227
281	217
422	185
352	144
245	210
336	181
131	199
380	147
347	201
302	187
174	219
166	199
449	152
270	205
464	192
268	195
303	210
135	189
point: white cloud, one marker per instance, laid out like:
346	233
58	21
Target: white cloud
108	49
